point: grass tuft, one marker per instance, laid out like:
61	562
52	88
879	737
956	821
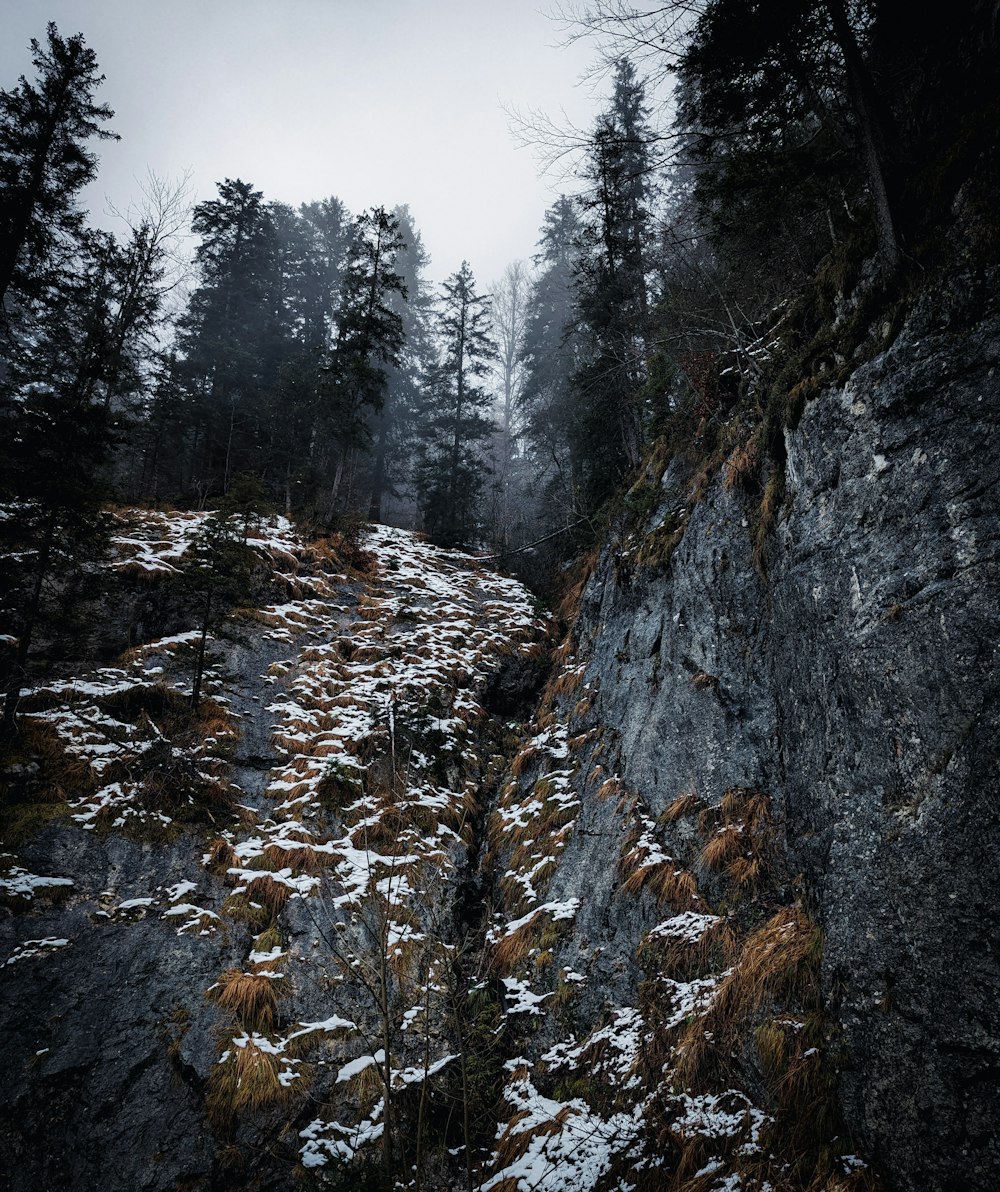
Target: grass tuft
246	1081
251	997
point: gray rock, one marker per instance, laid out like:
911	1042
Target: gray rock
858	687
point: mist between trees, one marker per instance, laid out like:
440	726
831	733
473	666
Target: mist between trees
754	166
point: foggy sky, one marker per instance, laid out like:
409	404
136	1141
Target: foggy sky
375	101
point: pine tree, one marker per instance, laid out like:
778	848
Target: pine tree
218	570
229	320
611	291
326	227
553	352
391	460
87	309
782	88
368	338
54	446
45	161
454	420
509	298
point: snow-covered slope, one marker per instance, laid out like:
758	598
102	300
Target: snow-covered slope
258	913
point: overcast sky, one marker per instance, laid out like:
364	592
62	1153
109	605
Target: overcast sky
375	101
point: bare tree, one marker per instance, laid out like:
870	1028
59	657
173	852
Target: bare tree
510	306
510	312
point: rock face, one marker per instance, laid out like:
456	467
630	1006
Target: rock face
849	687
188	996
857	686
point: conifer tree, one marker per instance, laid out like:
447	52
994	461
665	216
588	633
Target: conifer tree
229	319
390	426
62	412
87	309
326	227
368	338
218	571
552	354
611	290
455	420
54	446
45	160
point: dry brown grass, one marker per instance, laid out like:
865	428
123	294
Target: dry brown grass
339	787
722	847
565	650
368	1086
686	804
385	832
213	720
664	877
666	882
566	682
612	788
767	515
744	842
553	816
524	759
63	775
269	894
569	603
303	858
777	964
743	465
268	940
404	955
686	959
510	952
250	997
752	807
248	1081
222	857
539	934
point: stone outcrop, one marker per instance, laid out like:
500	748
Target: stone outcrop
845	681
856	684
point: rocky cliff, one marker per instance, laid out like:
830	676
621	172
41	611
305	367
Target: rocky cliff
723	916
800	740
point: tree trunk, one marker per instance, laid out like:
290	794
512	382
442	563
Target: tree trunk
387	1122
229	443
463	1067
379	471
199	666
456	441
865	103
28	621
422	1108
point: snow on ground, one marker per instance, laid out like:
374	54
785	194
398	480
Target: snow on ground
374	706
560	1146
105	719
32	948
374	713
16	882
540	822
402	681
154	542
377	725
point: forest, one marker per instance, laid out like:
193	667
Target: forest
310	365
334	585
